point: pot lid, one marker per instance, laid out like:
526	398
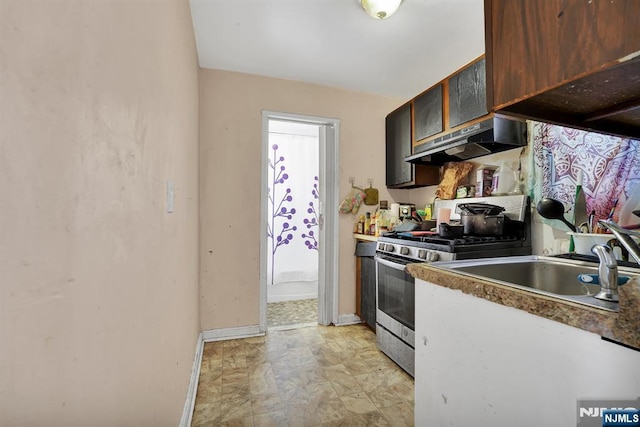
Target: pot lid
480	208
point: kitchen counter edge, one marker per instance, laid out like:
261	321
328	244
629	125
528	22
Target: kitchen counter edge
622	327
365	237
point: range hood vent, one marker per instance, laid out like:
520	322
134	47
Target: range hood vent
486	137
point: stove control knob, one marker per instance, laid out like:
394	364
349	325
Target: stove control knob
422	254
381	246
389	248
432	256
404	251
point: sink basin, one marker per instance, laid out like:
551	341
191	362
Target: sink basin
548	276
545	275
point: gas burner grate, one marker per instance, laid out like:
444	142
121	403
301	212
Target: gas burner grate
467	240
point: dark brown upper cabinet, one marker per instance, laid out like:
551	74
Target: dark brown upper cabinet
450	115
401	174
468	94
458	99
427	113
570	62
398	146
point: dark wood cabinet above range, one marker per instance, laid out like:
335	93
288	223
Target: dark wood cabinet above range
399	139
569	62
468	94
427	113
447	122
456	100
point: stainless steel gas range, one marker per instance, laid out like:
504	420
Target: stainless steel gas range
395	288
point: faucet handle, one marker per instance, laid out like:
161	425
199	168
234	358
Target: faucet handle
605	255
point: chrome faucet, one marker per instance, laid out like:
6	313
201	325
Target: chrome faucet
607	273
624	236
608	267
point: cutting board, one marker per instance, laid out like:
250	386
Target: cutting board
406	226
417	233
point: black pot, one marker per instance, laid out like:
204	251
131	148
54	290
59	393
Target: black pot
482	225
450	231
480	208
482	219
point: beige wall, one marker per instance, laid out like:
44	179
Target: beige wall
231	106
98	285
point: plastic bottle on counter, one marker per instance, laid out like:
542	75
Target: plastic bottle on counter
428	211
361	225
372	227
367	223
503	180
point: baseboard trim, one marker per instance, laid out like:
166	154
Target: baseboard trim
187	412
231	333
284	298
208	336
348	319
293	326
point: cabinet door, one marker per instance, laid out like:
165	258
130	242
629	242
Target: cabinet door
569	62
427	113
398	146
368	284
468	94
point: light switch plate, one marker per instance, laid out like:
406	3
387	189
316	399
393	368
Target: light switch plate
169	196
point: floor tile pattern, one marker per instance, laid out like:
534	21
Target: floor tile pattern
292	312
313	376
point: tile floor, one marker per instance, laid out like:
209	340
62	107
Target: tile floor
313	376
292	312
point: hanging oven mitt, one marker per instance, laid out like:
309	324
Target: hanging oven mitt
352	202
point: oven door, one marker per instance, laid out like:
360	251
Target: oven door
395	301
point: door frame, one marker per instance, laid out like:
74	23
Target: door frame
328	235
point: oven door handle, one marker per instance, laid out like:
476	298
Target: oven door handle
390	264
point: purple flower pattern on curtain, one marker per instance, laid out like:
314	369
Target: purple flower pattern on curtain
312	223
279	176
610	167
292	203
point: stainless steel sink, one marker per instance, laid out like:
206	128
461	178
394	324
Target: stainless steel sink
545	275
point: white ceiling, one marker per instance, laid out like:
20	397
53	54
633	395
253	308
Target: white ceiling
335	43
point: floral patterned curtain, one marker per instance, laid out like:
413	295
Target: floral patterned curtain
610	167
292	221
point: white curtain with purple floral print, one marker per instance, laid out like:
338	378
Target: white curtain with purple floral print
292	226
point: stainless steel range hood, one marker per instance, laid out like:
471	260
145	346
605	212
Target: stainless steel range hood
488	136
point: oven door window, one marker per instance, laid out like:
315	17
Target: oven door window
396	291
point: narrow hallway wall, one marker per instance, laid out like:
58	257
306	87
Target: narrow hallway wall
98	283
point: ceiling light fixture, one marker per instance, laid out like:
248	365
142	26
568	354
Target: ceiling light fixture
380	9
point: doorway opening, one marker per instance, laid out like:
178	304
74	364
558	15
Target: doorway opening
292	223
298	268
